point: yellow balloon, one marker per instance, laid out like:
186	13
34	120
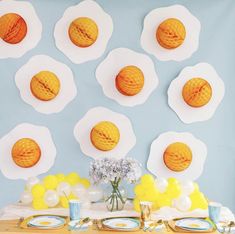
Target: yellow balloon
147	179
164	200
72	178
173	190
64	201
196	187
60	177
136	204
50	182
39	204
38	190
138	190
198	201
85	182
172	181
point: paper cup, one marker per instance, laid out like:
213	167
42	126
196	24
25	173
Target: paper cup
214	211
74	209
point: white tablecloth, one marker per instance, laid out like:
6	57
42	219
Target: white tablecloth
99	211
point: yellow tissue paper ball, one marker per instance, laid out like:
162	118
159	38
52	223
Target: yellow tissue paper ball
136	204
64	200
38	190
147	179
198	201
60	177
50	182
85	182
39	204
72	178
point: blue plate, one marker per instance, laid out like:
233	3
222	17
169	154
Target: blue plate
46	222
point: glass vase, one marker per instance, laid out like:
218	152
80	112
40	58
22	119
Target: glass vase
115	196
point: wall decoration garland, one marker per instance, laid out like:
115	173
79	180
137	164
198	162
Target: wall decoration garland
127	77
170	33
178	155
20	28
104	133
83	32
26	151
196	93
46	84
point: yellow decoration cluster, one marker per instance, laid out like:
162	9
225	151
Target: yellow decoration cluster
147	190
51	182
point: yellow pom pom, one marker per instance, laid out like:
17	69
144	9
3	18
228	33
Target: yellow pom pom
39	204
50	182
72	178
60	177
38	190
136	204
147	179
139	190
85	182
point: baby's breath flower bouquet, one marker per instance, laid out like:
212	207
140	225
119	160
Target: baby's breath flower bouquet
113	171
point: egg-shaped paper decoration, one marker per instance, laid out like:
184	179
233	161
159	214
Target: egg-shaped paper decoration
127	77
104	133
196	93
83	32
26	151
46	84
178	155
20	28
170	33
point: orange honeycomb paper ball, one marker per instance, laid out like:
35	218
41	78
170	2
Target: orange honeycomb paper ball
83	32
26	153
45	85
130	80
105	136
171	33
13	28
197	92
177	156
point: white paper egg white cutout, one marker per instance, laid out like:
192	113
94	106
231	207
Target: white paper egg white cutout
91	118
190	114
68	89
90	9
155	18
156	163
118	58
34	28
43	138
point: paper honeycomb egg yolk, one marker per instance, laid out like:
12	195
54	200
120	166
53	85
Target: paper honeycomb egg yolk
13	28
197	92
83	32
177	157
171	33
130	81
105	136
26	153
45	85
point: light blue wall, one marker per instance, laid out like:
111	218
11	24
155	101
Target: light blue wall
217	47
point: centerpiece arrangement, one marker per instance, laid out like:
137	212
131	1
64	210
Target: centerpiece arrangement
113	171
